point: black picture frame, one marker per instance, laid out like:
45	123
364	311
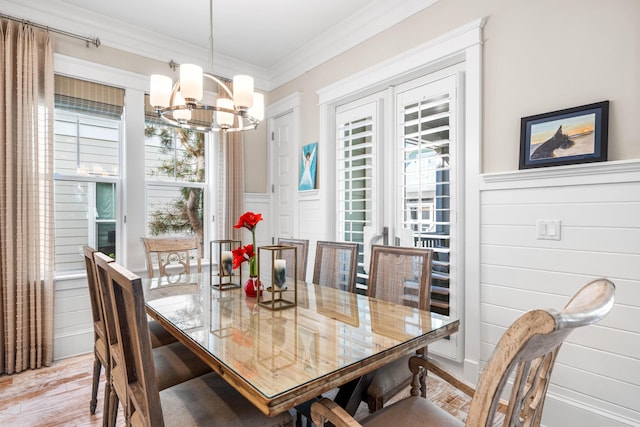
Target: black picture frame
565	137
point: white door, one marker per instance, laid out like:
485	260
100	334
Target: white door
283	152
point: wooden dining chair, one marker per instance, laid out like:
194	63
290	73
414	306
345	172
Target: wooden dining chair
174	362
205	400
336	265
100	346
171	255
303	251
524	356
159	335
401	275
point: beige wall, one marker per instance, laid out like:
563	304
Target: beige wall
539	56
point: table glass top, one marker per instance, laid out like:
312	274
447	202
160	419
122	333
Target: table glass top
277	351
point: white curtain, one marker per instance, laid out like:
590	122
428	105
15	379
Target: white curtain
26	197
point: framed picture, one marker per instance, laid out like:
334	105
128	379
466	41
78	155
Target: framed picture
574	135
308	167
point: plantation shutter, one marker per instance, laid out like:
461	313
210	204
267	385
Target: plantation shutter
425	128
356	179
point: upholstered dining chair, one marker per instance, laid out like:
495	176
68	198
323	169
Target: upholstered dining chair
171	255
174	362
525	356
336	265
159	335
401	275
303	251
205	400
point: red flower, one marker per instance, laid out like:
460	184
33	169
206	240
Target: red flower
242	254
248	220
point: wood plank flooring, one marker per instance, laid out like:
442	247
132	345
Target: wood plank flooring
59	396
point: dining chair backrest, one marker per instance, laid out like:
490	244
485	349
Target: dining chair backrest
529	348
100	346
302	252
116	358
134	347
94	294
171	255
401	275
102	281
336	265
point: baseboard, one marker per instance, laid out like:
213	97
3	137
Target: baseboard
471	371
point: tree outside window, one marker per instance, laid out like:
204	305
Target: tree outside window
175	172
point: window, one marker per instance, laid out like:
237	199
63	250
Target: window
87	145
175	179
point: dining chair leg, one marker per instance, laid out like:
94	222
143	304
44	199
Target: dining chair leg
97	366
112	413
106	413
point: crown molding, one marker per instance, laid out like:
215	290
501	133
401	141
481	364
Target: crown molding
373	19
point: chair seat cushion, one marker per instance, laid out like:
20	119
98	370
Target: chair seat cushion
159	335
390	377
210	400
175	364
412	411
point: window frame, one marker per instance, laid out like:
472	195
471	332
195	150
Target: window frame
93	179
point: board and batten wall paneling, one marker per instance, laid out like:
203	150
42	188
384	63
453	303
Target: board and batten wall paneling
72	320
597	375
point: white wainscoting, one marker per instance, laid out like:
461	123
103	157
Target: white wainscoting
72	321
596	380
259	203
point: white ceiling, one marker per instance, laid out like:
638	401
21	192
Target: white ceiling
274	40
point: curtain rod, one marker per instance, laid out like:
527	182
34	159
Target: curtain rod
87	40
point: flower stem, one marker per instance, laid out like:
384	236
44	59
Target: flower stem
253	262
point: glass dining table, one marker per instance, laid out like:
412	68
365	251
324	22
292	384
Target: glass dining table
279	359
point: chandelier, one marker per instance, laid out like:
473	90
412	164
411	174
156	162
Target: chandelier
191	104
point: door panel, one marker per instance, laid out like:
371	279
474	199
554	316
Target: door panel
284	150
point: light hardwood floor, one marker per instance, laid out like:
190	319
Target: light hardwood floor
59	396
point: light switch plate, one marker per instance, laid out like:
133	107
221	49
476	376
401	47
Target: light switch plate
548	229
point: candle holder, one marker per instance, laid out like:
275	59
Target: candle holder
273	271
220	252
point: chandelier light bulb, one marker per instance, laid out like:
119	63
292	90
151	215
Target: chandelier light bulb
257	109
181	115
191	82
224	119
243	91
160	90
